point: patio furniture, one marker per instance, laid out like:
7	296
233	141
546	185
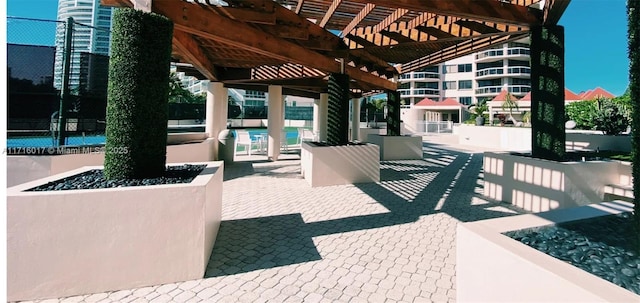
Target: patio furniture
306	135
244	139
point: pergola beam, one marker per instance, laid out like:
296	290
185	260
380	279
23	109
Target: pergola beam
189	18
397	14
354	23
330	12
299	6
191	51
435	32
400	38
487	10
477	27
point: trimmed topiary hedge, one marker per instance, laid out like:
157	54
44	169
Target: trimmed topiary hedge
633	15
547	92
138	95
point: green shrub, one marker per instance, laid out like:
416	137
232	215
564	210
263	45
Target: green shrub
582	112
138	91
610	119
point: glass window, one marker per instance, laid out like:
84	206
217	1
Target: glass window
430	69
464	100
464	68
492	82
433	85
449	85
518	63
447	69
464	84
519	81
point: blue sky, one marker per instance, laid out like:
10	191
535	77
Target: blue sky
595	40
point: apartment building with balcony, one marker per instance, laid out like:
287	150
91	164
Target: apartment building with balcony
477	77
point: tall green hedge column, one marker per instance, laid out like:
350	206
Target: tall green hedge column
393	113
338	113
137	95
547	92
633	15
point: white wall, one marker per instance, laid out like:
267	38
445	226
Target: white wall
519	139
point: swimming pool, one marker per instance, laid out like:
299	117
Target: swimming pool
43	141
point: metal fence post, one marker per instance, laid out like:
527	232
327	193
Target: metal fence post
66	74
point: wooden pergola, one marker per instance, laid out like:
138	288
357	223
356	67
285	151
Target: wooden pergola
296	44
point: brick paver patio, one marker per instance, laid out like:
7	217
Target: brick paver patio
283	241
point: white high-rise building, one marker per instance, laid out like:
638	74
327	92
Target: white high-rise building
472	78
91	35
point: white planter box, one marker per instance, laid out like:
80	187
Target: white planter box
491	267
338	165
366	131
539	185
65	243
21	169
398	147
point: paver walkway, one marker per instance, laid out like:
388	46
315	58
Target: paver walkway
283	241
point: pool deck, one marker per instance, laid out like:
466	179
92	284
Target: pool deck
283	241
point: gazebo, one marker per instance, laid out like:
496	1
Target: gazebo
335	50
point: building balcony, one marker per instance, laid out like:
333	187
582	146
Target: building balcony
487	73
418	75
494	90
489	55
519	71
518	52
419	92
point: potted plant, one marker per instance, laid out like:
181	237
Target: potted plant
477	112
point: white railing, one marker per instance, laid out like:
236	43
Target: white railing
490	71
433	127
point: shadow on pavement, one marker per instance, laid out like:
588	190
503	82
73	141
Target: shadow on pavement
440	183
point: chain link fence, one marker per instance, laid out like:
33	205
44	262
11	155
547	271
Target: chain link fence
36	53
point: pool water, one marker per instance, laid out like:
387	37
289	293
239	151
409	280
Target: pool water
292	137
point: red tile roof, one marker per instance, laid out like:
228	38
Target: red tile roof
450	102
502	96
595	93
446	102
526	97
570	96
426	102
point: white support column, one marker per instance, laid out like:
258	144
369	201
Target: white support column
316	116
143	5
355	119
216	113
275	122
324	116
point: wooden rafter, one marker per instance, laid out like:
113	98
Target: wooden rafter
330	12
400	38
417	21
489	10
553	10
361	15
477	26
299	6
435	32
393	17
188	48
188	18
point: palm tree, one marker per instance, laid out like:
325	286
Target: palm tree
509	104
